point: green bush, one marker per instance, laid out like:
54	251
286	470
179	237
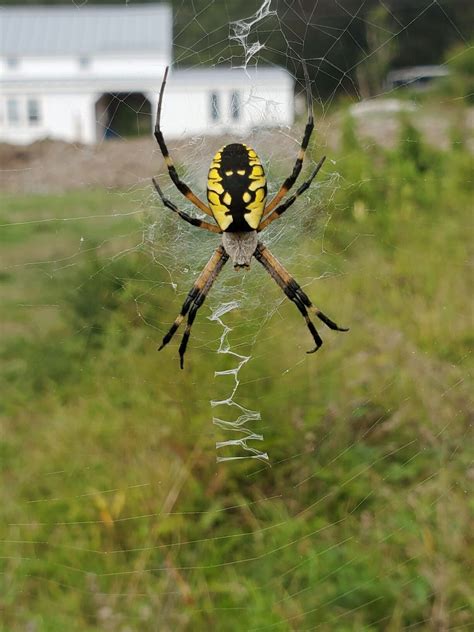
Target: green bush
460	82
113	503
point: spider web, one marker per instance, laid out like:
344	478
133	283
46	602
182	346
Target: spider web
340	497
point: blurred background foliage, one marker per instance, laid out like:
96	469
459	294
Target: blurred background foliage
367	529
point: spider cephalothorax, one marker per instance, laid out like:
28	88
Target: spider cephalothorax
237	192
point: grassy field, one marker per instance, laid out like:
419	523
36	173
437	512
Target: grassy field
115	514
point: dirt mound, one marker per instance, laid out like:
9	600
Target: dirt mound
53	166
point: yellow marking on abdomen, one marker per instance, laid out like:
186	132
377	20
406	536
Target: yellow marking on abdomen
257	171
255	209
213	199
221	217
215	186
257	203
257	184
214	174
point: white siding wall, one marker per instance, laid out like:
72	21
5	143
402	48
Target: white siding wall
68	117
15	68
67	92
125	66
67	95
187	111
82	67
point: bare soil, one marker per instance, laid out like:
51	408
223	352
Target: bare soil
53	167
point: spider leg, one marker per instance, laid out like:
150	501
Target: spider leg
294	292
187	218
195	299
283	207
180	185
289	182
200	298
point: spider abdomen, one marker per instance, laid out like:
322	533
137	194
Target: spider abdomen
236	188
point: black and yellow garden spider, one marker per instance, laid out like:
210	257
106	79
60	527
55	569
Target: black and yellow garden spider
236	192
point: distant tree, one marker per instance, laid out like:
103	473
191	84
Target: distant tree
459	84
426	30
381	48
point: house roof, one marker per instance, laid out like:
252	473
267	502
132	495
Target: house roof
85	30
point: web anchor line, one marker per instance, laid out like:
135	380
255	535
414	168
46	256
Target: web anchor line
241	30
246	415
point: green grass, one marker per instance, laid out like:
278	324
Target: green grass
115	514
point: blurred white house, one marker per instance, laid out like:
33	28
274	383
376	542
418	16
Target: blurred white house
84	73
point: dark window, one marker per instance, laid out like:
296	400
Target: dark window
84	62
215	113
33	111
235	105
12	62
